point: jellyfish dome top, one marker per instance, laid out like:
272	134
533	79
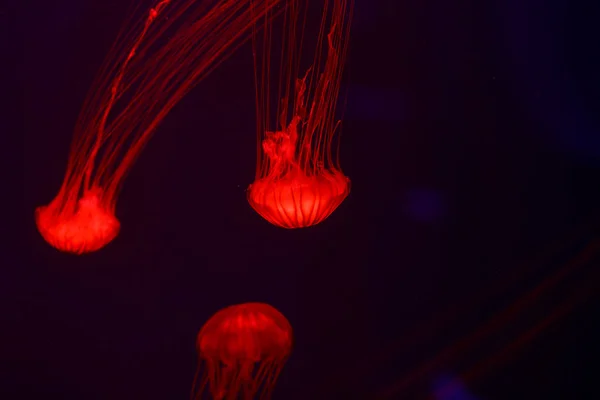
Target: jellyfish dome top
156	59
242	350
299	181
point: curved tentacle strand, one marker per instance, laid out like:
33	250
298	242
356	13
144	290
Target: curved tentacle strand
154	62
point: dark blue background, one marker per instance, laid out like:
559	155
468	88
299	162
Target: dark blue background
471	138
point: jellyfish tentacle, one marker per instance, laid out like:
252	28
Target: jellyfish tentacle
299	182
154	62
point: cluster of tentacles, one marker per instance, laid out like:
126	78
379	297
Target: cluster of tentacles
299	182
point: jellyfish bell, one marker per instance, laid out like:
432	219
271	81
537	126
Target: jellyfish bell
242	350
154	62
299	200
299	181
87	227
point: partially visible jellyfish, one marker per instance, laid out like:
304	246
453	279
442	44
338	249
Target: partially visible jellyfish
299	181
242	350
152	65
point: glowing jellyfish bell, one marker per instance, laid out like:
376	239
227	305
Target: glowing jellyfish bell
152	65
242	350
299	181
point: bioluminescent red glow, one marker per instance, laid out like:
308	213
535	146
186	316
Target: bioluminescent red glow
299	181
242	350
153	63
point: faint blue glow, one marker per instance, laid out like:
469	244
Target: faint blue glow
447	387
424	205
545	84
366	103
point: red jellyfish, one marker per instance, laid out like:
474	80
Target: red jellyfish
242	350
152	65
299	182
